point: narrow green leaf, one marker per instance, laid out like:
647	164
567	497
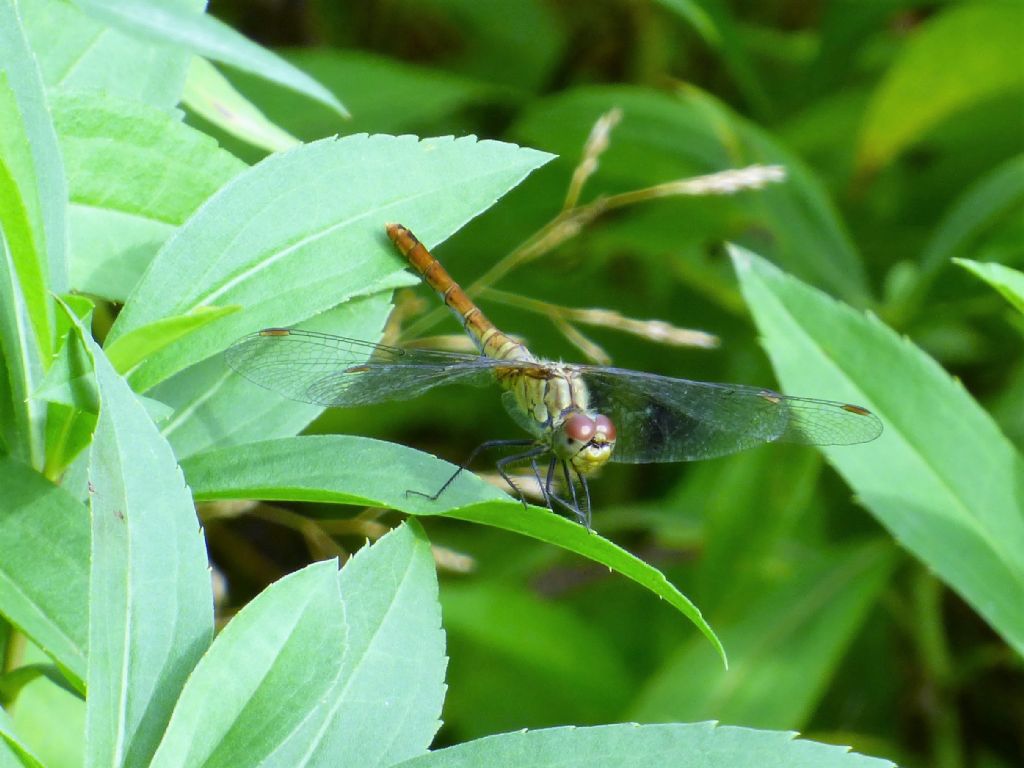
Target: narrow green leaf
211	96
266	672
691	745
922	89
352	470
44	576
150	597
206	36
77	53
1009	282
33	195
809	621
15	751
386	703
303	231
135	173
12	682
22	419
714	22
998	193
942	478
127	351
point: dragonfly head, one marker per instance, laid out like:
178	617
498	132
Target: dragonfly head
585	440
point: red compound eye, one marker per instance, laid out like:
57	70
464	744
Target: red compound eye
579	427
603	425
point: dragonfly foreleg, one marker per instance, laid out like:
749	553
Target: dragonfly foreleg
532	454
476	452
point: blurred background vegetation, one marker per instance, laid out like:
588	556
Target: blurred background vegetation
901	124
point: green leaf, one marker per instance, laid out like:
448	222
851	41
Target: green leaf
386	703
14	745
997	194
942	478
135	173
211	96
150	597
266	672
33	197
129	350
76	53
526	642
809	620
215	407
714	22
261	244
176	25
341	469
22	418
12	682
373	86
691	745
1009	282
44	579
665	137
942	70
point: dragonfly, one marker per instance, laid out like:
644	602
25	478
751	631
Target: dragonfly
578	417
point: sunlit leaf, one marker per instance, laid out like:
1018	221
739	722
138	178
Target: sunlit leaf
941	479
1009	282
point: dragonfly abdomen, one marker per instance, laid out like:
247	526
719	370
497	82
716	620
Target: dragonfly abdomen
488	338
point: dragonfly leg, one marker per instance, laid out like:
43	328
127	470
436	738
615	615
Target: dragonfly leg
540	482
587	511
531	454
580	516
476	452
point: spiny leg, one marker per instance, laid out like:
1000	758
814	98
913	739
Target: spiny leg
476	452
588	512
572	487
531	454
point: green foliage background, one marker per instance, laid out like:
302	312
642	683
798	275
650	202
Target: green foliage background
871	596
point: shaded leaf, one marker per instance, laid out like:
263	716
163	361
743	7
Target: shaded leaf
1009	282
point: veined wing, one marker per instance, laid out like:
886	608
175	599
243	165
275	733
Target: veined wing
661	419
335	371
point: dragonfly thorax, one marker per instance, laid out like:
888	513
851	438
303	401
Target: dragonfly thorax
585	440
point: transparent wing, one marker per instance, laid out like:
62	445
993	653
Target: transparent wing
660	419
335	371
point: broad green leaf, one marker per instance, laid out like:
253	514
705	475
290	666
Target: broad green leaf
76	53
809	621
33	197
211	96
942	478
266	672
666	137
215	407
690	745
44	577
150	597
526	642
341	469
15	752
176	25
386	703
385	95
944	69
303	231
1009	282
135	173
129	350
